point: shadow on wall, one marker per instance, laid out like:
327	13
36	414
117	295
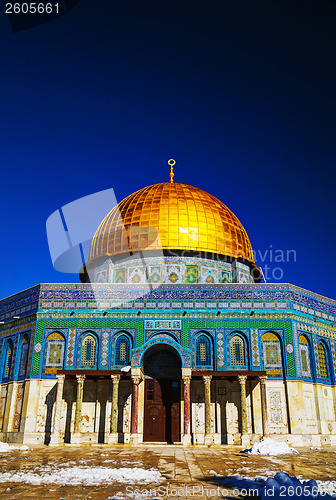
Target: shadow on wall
49	401
94	416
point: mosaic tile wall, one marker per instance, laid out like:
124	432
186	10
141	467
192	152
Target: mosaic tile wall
174	270
174	314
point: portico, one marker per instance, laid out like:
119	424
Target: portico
101	413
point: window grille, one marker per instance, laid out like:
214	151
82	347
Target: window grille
123	351
203	351
237	351
9	357
322	361
23	357
304	356
88	355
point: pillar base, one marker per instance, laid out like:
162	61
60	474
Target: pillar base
186	440
113	438
208	440
245	440
84	438
135	439
55	440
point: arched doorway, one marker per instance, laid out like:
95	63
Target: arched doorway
162	369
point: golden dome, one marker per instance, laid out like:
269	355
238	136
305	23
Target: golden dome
185	217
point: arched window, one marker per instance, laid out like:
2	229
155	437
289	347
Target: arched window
322	355
88	352
8	358
272	357
55	347
237	351
123	351
305	356
203	351
24	356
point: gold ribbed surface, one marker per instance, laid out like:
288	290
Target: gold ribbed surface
186	218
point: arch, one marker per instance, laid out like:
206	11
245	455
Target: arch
8	358
139	354
164	334
203	350
323	360
122	350
162	361
54	350
305	356
272	353
238	351
24	356
88	349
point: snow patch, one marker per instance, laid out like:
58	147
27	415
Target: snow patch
85	476
327	487
10	447
268	446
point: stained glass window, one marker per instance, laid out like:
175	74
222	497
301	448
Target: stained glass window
203	351
237	351
322	360
24	357
304	356
55	350
271	350
9	357
88	355
123	351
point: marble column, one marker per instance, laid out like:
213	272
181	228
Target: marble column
56	435
79	401
242	382
264	412
113	437
186	439
208	438
136	379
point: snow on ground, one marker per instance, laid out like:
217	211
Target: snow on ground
85	476
10	447
268	446
328	487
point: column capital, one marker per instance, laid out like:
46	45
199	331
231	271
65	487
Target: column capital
136	379
115	379
242	379
186	379
80	378
207	379
60	378
262	379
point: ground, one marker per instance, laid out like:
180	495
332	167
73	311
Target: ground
180	468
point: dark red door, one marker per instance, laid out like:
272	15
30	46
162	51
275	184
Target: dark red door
155	424
162	411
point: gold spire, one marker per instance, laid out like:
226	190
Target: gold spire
171	163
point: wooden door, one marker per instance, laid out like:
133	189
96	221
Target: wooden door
155	421
162	411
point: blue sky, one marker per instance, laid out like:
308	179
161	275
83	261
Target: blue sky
241	94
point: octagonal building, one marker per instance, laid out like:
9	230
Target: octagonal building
170	338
